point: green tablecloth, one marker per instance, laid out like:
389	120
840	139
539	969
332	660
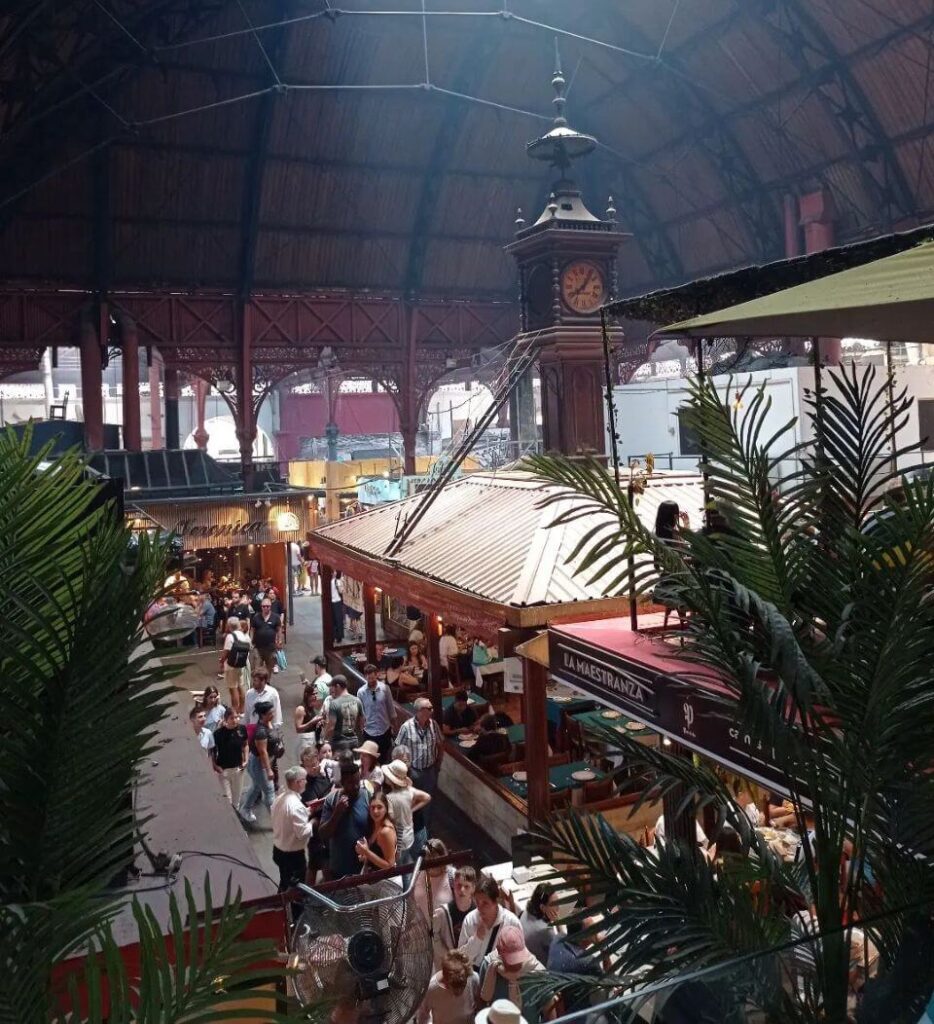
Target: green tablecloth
593	718
559	776
556	708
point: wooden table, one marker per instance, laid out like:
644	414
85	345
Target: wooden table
559	777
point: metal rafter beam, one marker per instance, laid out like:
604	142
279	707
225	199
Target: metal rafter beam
806	43
480	48
274	54
720	146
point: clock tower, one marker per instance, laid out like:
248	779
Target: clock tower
567	271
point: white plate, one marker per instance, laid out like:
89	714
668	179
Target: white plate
562	700
611	715
634	726
469	742
584	775
520	776
503	732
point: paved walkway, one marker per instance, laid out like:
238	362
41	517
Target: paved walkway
304	642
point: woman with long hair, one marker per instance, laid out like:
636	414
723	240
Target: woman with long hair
305	716
212	707
412	672
436	880
404	800
452	992
538	920
378	852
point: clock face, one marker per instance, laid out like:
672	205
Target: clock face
582	286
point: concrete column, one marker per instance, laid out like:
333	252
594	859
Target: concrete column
132	427
92	380
535	680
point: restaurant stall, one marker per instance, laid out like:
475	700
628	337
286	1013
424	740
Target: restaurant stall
231	538
485	559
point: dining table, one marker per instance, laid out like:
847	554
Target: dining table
560	776
564	700
516	734
605	718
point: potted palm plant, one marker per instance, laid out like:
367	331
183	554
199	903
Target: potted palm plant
82	705
815	608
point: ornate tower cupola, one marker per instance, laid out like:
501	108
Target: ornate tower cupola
567	271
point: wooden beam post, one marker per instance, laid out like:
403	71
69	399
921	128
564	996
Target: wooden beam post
92	402
432	639
369	621
327	616
170	387
132	427
535	680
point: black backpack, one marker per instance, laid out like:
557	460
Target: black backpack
239	653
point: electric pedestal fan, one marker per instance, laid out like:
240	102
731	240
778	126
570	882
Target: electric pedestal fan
367	950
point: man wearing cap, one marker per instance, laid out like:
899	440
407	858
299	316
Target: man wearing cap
422	735
292	827
379	712
345	818
501	971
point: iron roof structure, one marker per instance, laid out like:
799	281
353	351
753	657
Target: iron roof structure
279	145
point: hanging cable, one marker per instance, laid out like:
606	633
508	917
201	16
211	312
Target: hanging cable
259	43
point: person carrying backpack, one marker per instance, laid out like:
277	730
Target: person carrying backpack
237	646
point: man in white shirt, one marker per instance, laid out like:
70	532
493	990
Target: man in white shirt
447	645
197	718
262	690
292	827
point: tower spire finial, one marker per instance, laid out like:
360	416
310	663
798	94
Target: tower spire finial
558	82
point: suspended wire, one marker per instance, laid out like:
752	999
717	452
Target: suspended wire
425	44
259	43
204	106
110	14
335	12
661	45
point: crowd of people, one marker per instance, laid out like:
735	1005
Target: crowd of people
356	799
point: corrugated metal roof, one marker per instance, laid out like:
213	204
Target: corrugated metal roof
487	535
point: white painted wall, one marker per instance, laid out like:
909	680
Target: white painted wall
646	411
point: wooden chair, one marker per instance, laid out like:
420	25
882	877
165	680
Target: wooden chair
561	801
601	789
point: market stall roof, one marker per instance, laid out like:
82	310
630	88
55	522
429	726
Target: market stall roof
487	537
706	294
890	299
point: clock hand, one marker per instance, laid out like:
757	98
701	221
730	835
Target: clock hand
587	281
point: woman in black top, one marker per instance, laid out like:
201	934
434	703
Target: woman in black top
379	851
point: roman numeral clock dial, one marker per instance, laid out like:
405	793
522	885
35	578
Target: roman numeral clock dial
583	287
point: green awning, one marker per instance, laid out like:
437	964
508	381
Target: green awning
891	299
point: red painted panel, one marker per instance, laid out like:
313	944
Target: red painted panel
306	416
